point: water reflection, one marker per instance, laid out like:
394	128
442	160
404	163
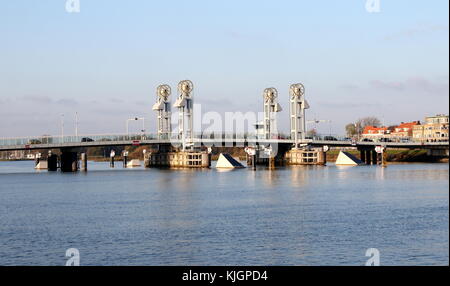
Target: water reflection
296	215
299	176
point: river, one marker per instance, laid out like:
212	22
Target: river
303	215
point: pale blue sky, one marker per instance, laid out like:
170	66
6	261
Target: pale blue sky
106	61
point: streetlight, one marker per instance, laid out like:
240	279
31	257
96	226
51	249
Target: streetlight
76	124
62	128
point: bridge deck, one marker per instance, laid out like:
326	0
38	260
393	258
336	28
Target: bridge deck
86	141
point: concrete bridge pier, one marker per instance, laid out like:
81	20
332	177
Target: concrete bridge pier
125	159
362	153
249	160
271	162
438	152
36	161
84	162
69	161
384	158
374	157
52	163
368	157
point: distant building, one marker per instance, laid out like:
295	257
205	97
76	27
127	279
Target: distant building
404	130
434	129
372	132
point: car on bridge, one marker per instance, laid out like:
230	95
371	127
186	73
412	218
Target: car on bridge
330	138
34	141
86	139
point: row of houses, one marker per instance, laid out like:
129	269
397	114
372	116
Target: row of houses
433	129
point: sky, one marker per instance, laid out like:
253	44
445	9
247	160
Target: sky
106	61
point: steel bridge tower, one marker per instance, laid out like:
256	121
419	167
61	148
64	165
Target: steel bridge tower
162	107
298	104
185	105
271	107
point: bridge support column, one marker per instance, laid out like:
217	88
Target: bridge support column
251	161
52	163
271	162
69	161
384	158
147	160
125	160
362	153
374	157
36	161
368	157
84	162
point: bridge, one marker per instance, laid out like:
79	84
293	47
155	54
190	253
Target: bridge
217	140
269	144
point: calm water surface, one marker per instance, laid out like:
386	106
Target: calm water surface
291	216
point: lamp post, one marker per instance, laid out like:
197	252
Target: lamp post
62	128
76	124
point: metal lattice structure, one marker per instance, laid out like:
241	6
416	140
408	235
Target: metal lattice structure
298	104
185	105
271	107
162	107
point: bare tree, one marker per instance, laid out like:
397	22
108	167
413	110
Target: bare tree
351	129
358	127
311	133
369	121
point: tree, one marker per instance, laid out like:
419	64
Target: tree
311	133
369	121
357	128
351	130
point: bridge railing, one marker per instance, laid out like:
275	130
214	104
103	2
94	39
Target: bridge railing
47	140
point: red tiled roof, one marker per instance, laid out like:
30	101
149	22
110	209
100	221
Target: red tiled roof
374	130
408	125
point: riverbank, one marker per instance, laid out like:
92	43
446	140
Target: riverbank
396	155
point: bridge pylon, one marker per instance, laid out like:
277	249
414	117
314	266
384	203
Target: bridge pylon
298	105
185	105
271	107
163	109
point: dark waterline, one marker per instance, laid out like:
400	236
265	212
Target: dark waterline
291	216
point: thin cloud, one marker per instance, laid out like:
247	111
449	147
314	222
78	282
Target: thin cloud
393	85
342	105
67	102
116	100
39	99
416	84
417	31
349	86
